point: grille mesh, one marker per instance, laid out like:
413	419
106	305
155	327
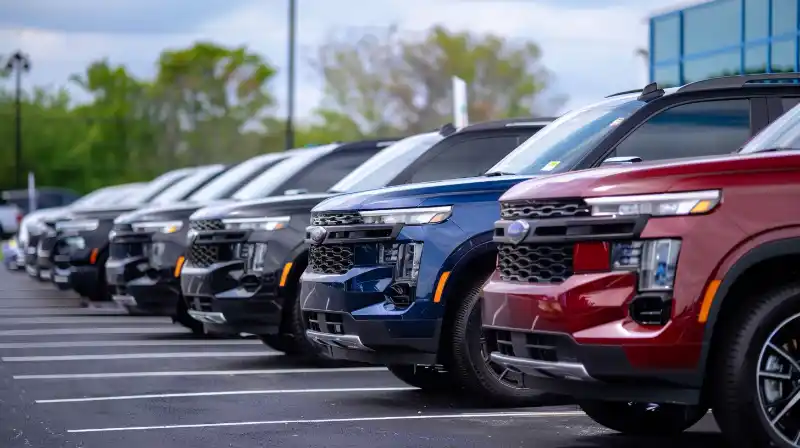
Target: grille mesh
544	209
207	224
330	259
203	255
540	263
336	219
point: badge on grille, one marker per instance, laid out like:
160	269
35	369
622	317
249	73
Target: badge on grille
517	231
317	234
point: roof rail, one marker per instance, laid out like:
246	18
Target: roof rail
624	93
735	82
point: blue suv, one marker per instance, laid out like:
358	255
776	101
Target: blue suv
395	275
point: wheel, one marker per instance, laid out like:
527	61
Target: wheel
760	348
101	292
292	339
182	317
643	419
429	379
470	361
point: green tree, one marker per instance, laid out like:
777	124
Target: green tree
390	84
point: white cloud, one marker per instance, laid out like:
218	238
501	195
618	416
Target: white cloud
589	46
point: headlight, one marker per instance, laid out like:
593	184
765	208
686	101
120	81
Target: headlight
265	223
408	216
157	226
84	225
666	204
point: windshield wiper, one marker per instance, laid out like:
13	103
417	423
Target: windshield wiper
499	173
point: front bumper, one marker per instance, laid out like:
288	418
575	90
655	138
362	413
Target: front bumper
228	300
576	338
356	315
73	267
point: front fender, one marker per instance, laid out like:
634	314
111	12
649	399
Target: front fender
462	260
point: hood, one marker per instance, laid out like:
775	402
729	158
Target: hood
177	211
421	194
649	178
103	212
273	206
45	215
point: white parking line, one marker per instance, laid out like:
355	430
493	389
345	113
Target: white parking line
111	330
83	320
166	342
234	392
344	420
117	356
59	311
94	376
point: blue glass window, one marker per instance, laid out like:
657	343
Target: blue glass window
783	55
667	75
721	64
699	32
666	38
756	16
755	59
784	17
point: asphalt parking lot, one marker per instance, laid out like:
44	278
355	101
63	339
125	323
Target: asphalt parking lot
77	377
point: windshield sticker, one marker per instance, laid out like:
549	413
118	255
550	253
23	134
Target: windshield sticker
551	165
616	122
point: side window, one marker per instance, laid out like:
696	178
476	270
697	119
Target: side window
690	130
789	102
325	172
467	157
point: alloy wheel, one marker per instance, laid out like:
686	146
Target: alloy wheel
778	380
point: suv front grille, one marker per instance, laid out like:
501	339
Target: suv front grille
547	209
203	255
207	224
330	259
125	250
336	219
535	263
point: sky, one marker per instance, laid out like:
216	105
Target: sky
589	45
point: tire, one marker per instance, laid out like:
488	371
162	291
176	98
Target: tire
468	363
101	293
183	318
292	339
641	419
426	378
738	391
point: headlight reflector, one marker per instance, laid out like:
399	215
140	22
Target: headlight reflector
157	226
265	223
408	216
666	204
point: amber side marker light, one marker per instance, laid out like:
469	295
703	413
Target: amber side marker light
437	297
179	266
285	274
93	256
708	299
702	207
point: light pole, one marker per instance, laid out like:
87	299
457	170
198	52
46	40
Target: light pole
290	88
19	63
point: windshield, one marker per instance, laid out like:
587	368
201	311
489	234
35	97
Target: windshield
106	195
265	184
157	185
381	168
238	176
186	186
783	133
562	143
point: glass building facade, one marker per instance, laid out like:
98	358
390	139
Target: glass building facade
724	37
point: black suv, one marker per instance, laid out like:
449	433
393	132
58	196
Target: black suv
80	249
155	236
245	261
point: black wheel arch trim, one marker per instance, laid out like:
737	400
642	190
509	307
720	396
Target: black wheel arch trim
763	252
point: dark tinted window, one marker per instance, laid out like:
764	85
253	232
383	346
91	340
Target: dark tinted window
325	172
790	102
47	200
468	157
690	130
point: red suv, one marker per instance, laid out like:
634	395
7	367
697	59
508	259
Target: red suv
654	292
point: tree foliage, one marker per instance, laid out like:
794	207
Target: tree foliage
390	82
211	103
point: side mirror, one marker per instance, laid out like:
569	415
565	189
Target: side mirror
621	160
295	191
